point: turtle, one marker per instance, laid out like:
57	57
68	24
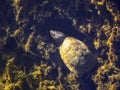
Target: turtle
75	53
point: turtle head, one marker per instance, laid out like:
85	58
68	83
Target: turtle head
57	36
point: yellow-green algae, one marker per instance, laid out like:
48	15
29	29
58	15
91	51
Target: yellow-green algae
38	77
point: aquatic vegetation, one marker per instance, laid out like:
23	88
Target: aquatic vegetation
29	58
13	77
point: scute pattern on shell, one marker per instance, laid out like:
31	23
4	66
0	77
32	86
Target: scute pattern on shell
76	56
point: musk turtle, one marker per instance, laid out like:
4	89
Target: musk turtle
75	54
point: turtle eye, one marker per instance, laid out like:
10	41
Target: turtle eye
56	34
53	33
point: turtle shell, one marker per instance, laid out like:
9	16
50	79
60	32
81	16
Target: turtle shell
76	56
